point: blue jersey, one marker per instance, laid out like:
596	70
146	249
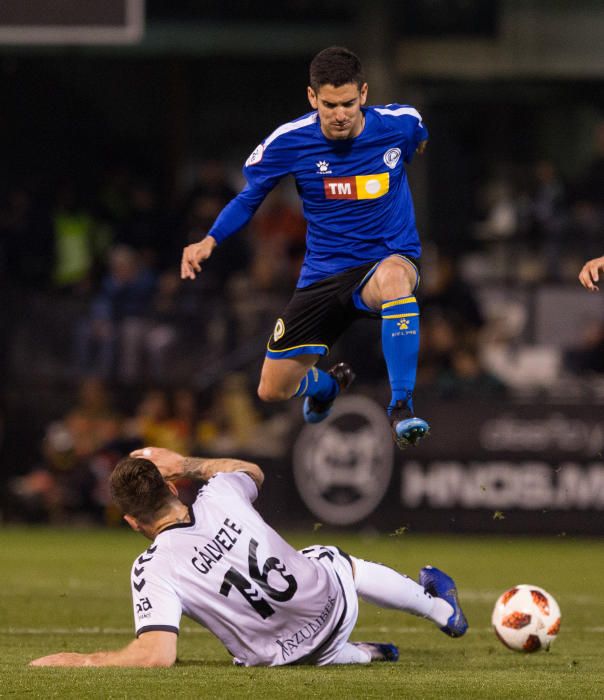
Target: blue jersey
355	192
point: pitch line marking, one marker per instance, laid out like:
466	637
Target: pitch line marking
489	596
86	630
200	630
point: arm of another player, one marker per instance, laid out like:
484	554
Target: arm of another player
589	273
176	466
151	649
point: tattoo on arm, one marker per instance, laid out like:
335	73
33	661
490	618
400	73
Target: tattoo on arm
205	468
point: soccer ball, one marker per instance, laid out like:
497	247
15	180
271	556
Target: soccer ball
526	618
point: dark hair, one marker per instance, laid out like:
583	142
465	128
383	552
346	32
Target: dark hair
138	489
335	66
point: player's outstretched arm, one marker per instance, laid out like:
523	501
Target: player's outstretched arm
589	274
193	255
150	650
176	466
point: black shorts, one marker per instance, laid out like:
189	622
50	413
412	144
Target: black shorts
317	315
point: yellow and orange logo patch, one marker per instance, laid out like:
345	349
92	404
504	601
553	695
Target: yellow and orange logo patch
357	187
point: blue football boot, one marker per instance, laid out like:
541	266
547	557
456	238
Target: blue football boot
440	585
315	411
407	429
379	651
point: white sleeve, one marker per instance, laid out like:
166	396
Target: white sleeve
155	603
224	483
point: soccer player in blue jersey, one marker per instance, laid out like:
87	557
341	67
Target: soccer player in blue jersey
348	161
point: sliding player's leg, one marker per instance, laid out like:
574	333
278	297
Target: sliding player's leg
366	652
434	598
339	649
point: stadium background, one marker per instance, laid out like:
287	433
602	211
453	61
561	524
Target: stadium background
120	146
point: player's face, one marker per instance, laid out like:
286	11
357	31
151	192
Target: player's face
339	109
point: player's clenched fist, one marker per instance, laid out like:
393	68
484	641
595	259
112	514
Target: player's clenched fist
193	255
589	273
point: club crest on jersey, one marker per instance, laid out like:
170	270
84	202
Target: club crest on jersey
323	168
279	331
357	187
391	157
255	156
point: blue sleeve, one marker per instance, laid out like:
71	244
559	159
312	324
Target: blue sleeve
263	170
237	213
414	131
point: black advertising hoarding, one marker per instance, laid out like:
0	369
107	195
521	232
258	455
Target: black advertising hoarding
486	467
509	468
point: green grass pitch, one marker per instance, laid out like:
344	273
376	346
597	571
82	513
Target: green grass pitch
69	590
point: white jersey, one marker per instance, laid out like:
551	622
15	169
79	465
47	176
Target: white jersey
228	570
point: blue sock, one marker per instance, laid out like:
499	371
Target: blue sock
319	384
400	345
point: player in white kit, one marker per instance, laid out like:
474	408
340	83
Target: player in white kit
220	564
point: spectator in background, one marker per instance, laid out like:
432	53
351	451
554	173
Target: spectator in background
114	193
588	356
155	420
174	314
57	486
93	421
279	235
445	293
500	212
118	319
142	228
464	377
234	255
62	485
184	405
588	198
210	192
439	340
452	323
236	412
25	239
547	217
80	242
169	423
210	179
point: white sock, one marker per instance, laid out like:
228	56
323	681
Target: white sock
351	654
382	586
441	612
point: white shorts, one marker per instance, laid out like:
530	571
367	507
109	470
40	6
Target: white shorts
339	566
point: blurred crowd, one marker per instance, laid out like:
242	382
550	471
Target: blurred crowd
80	448
541	224
103	258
